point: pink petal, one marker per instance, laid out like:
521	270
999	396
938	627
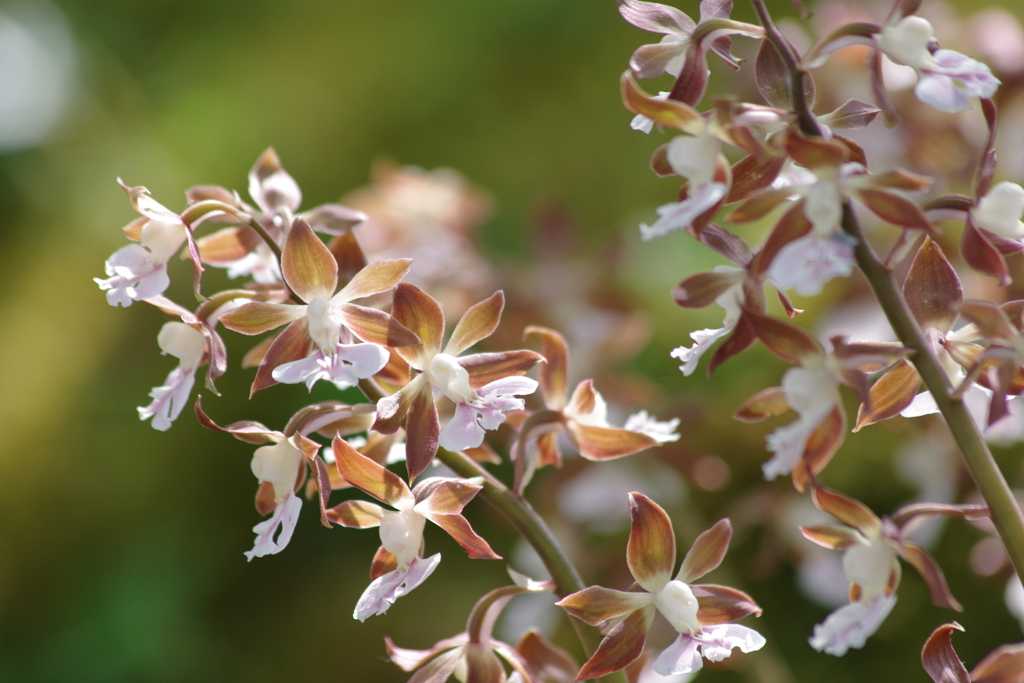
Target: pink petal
169	399
681	657
940	91
462	431
384	590
345	367
285	516
851	625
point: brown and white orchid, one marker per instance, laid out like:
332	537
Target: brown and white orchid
871	546
701	613
318	344
399	565
483	386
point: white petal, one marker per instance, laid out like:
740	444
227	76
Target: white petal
851	625
285	517
462	431
717	642
807	263
704	339
678	215
169	399
923	404
662	432
788	444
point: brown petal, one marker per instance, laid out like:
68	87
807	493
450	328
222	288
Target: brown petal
760	205
726	243
1005	664
651	550
478	322
621	646
721	604
484	368
853	115
700	290
916	513
939	658
847	510
596	604
256	354
898	179
459	529
932	288
229	244
894	209
766	403
422	432
814	153
831	536
660	164
356	514
292	344
607	443
890	394
656	18
739	341
670	113
822	444
554	383
784	339
247	430
418	311
441	496
348	254
772	77
257	317
307	264
392	410
990	320
482	664
377	327
932	575
548	662
980	254
370	477
706	553
751	174
692	83
381	276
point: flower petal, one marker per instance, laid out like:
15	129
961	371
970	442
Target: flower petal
285	517
478	322
621	646
718	642
370	477
706	553
598	604
940	659
308	265
651	550
681	657
851	625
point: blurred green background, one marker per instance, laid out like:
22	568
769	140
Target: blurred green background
122	546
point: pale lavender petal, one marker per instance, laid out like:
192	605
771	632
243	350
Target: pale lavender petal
285	517
462	431
156	281
851	625
169	399
923	404
681	657
678	215
133	276
717	642
366	360
298	370
662	432
517	386
807	263
384	590
642	123
941	92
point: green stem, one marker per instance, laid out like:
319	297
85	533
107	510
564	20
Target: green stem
1006	514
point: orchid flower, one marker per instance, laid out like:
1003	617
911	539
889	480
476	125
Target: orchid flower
239	248
473	654
947	80
188	345
700	613
583	417
399	565
317	342
871	546
483	386
139	271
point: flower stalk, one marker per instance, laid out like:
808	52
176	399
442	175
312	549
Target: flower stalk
1006	514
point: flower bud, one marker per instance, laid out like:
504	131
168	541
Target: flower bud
324	325
1000	210
401	534
451	378
279	465
182	341
678	604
